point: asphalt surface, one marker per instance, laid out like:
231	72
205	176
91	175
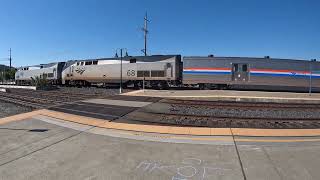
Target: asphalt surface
100	111
110	109
46	148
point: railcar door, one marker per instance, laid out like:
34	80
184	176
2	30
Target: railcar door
240	72
169	70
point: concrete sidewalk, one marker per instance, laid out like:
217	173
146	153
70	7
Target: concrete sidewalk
232	95
56	149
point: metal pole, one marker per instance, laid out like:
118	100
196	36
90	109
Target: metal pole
310	79
145	31
144	78
3	69
145	34
10	59
120	71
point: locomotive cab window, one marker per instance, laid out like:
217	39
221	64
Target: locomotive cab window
94	62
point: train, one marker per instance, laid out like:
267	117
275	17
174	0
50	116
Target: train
165	71
50	71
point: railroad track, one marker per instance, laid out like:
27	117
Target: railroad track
230	114
21	102
45	99
58	94
226	104
228	122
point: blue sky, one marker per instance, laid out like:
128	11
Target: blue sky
41	31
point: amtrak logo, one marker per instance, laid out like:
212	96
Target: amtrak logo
293	73
80	71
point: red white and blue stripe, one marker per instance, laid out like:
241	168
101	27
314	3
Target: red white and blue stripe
253	72
201	70
272	72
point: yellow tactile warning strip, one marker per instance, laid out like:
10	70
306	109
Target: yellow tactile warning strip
19	117
275	132
194	131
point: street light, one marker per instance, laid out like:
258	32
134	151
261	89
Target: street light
116	56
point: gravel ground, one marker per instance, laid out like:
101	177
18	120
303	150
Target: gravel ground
228	117
9	109
247	113
303	113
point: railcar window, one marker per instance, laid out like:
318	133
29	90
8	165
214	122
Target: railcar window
157	73
88	63
50	75
95	62
78	63
81	63
236	68
133	60
146	73
143	74
244	68
161	73
140	74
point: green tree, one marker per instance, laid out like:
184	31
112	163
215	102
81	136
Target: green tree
10	74
40	82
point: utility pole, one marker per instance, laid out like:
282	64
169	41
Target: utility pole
10	59
121	57
120	71
145	31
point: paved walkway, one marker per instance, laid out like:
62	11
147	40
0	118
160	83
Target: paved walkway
42	147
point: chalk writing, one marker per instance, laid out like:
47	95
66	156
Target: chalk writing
187	169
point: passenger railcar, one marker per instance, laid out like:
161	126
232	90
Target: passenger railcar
51	71
158	70
257	73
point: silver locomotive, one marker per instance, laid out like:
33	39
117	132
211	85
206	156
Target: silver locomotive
159	71
51	72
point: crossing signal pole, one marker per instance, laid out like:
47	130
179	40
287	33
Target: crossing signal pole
145	31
